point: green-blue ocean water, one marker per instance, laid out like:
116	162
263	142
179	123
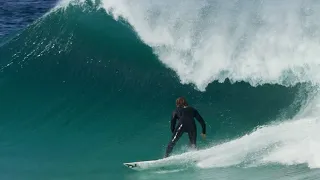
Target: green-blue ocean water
81	93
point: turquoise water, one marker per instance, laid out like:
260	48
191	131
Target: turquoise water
82	92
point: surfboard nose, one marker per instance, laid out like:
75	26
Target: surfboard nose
130	165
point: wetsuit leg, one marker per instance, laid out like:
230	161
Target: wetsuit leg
192	138
175	137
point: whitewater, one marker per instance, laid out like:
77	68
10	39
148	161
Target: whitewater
254	41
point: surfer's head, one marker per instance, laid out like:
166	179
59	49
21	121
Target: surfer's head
181	101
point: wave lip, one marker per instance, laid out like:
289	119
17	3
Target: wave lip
244	41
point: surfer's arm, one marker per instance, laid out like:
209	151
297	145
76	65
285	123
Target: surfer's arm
173	121
201	121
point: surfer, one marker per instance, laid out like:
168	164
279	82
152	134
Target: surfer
185	115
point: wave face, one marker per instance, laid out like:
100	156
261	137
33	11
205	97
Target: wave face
91	85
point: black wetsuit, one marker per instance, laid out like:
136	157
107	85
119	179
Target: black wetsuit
186	124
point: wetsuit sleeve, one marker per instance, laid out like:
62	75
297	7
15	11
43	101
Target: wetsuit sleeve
173	121
201	121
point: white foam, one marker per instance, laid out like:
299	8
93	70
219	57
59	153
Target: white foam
253	41
289	143
66	3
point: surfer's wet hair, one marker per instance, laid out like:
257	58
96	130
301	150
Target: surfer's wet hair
181	101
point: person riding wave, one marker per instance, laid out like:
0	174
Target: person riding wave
185	115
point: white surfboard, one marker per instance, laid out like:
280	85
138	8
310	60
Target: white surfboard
132	165
142	165
173	161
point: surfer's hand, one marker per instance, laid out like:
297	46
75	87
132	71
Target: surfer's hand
203	136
